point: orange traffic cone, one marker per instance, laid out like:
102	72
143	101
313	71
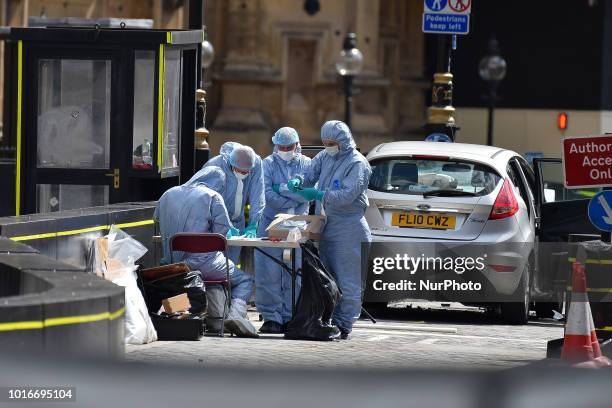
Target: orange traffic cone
580	343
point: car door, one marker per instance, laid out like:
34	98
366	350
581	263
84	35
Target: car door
540	281
529	179
525	215
561	211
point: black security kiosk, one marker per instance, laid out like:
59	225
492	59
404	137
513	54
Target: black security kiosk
100	115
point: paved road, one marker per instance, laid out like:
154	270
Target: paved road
403	338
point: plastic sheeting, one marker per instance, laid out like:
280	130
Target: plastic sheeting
115	258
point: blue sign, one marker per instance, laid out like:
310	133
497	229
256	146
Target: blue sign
600	211
446	23
439	137
436	5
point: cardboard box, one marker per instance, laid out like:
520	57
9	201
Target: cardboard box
104	266
312	231
114	269
175	304
101	255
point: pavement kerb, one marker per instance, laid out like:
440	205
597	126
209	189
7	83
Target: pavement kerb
402	327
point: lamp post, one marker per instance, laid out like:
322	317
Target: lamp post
208	56
441	126
349	65
492	70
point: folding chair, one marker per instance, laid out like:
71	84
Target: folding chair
203	243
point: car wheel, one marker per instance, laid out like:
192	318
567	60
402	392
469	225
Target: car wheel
518	312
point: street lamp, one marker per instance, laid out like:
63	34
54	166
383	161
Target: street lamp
492	70
208	54
349	65
207	57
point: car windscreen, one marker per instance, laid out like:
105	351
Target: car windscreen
418	176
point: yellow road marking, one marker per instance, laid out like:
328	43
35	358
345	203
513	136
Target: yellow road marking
594	290
594	261
82	230
61	321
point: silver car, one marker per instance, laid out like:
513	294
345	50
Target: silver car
458	193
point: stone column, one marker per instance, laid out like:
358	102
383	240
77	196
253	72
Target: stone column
240	117
413	85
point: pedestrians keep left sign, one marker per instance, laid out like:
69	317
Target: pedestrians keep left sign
447	16
448	6
600	211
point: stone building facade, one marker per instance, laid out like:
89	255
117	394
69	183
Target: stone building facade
275	66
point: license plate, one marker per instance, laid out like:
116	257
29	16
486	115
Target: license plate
420	220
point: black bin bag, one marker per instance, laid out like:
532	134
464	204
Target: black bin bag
163	288
317	301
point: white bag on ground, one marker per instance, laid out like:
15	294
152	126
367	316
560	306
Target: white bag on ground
120	268
138	326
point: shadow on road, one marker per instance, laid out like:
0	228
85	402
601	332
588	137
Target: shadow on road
467	316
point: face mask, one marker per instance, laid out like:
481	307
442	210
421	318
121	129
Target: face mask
240	176
286	156
332	151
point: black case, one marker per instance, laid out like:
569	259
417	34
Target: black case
168	328
178	329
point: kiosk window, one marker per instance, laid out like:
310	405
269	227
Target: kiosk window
172	107
61	197
144	111
74	113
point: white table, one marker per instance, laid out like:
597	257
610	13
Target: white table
261	243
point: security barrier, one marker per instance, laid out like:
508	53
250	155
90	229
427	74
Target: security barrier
52	307
48	303
598	264
67	235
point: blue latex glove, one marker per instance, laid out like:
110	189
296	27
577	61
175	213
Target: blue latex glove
232	232
311	194
276	188
294	184
251	230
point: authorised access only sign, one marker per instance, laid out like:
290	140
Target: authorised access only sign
587	161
